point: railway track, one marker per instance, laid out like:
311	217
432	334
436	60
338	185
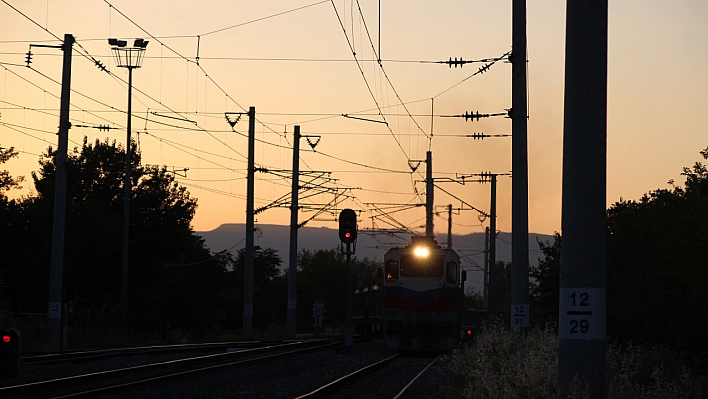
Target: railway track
103	382
98	354
391	377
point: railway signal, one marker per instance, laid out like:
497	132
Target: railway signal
347	234
10	352
347	226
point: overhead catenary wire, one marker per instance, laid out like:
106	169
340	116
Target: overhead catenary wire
382	170
263	18
206	75
368	86
373	49
54	95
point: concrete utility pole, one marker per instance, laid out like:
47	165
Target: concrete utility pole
429	194
493	222
485	288
492	228
292	267
248	272
449	226
582	328
519	165
56	267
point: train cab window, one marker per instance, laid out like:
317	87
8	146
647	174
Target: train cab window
391	271
451	272
417	266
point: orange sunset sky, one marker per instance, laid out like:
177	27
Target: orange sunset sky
293	61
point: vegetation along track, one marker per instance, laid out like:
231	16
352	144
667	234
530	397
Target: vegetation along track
116	379
391	377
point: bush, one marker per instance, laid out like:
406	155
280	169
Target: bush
504	364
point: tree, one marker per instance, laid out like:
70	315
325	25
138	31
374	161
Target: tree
500	290
9	214
323	275
266	303
7	182
545	283
473	299
658	265
172	276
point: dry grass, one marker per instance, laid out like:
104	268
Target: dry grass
503	364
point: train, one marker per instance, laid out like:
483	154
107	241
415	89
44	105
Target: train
419	305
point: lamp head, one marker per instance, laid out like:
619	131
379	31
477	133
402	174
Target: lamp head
140	43
117	43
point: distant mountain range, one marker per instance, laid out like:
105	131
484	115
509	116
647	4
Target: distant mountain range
470	246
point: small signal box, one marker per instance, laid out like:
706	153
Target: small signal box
347	226
10	353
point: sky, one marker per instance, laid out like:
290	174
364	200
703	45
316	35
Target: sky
293	60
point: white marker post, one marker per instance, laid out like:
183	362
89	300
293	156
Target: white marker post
520	316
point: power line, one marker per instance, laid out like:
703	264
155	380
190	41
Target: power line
217	58
12	127
206	75
31	20
363	75
363	165
373	49
262	18
480	71
54	95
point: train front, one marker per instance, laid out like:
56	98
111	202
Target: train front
421	297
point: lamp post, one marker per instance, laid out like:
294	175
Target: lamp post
130	58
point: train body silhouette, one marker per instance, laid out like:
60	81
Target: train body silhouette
419	306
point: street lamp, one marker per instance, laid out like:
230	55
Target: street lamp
131	58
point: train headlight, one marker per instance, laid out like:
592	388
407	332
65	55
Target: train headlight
421	251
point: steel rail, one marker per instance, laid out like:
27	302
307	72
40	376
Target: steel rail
51	385
403	391
340	382
93	354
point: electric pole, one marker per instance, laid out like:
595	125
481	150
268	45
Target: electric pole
519	166
582	318
492	228
248	272
485	292
493	222
449	226
56	267
429	194
292	267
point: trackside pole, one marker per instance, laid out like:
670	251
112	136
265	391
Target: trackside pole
57	258
429	194
348	337
248	272
582	307
520	170
292	267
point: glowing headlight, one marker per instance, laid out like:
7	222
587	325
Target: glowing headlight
421	251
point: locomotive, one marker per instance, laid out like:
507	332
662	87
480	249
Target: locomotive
422	298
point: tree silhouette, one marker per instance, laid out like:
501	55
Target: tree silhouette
9	214
657	266
545	283
172	277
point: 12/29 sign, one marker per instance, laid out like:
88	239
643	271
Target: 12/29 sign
582	313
